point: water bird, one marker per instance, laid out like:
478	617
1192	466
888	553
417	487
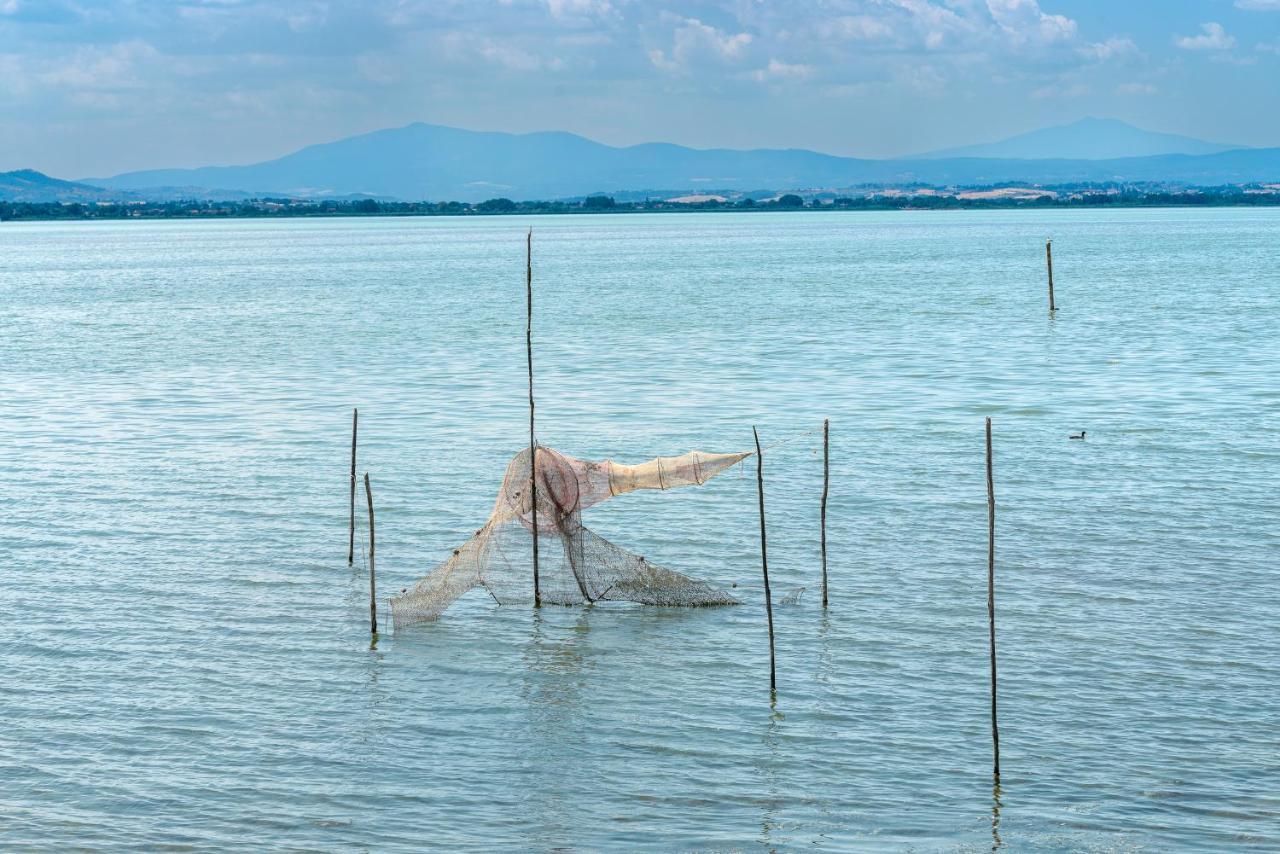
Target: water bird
1079	435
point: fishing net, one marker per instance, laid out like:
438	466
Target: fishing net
575	565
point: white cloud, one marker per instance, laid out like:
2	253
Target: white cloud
1259	5
924	79
777	71
856	28
112	67
378	69
695	43
936	25
1025	23
1136	89
1231	59
577	9
1112	48
1213	37
466	47
1077	90
16	82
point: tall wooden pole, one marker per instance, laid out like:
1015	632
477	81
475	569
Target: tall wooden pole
1048	257
373	587
991	598
826	478
351	543
764	565
533	444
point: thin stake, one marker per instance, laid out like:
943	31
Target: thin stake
533	444
764	565
373	587
351	544
991	597
826	477
1048	257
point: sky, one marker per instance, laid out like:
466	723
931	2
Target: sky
92	88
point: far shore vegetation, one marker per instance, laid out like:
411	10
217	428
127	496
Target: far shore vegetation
906	198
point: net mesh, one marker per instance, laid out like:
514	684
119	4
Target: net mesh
575	565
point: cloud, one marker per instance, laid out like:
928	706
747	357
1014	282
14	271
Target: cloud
115	67
1231	59
1136	89
936	25
778	71
1259	5
1213	37
924	79
695	43
1025	23
966	31
1076	90
500	53
1112	48
856	28
580	10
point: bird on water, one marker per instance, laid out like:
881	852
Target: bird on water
1079	435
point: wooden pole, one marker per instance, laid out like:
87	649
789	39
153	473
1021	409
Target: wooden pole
533	444
351	543
826	478
991	598
373	587
1048	257
764	565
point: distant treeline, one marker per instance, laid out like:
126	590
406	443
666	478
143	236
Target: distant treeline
281	207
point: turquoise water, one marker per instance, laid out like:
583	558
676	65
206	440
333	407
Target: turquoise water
184	652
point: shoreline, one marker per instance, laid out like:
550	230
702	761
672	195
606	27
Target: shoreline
293	209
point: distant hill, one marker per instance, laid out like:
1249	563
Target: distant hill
177	194
1087	139
423	161
28	185
1238	166
430	162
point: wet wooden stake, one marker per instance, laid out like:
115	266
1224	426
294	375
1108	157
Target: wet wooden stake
533	445
991	598
826	477
373	584
373	587
764	565
1048	257
351	543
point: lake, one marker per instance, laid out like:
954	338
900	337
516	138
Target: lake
185	657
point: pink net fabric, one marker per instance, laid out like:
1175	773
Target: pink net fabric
575	564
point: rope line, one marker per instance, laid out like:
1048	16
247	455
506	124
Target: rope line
794	438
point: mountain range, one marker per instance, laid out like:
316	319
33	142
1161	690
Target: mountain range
1088	139
28	185
433	162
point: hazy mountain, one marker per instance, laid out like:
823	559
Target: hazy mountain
432	162
28	185
439	163
1238	166
1087	139
177	194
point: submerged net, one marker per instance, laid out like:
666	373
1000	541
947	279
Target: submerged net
575	565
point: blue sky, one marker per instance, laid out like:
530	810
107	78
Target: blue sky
96	87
